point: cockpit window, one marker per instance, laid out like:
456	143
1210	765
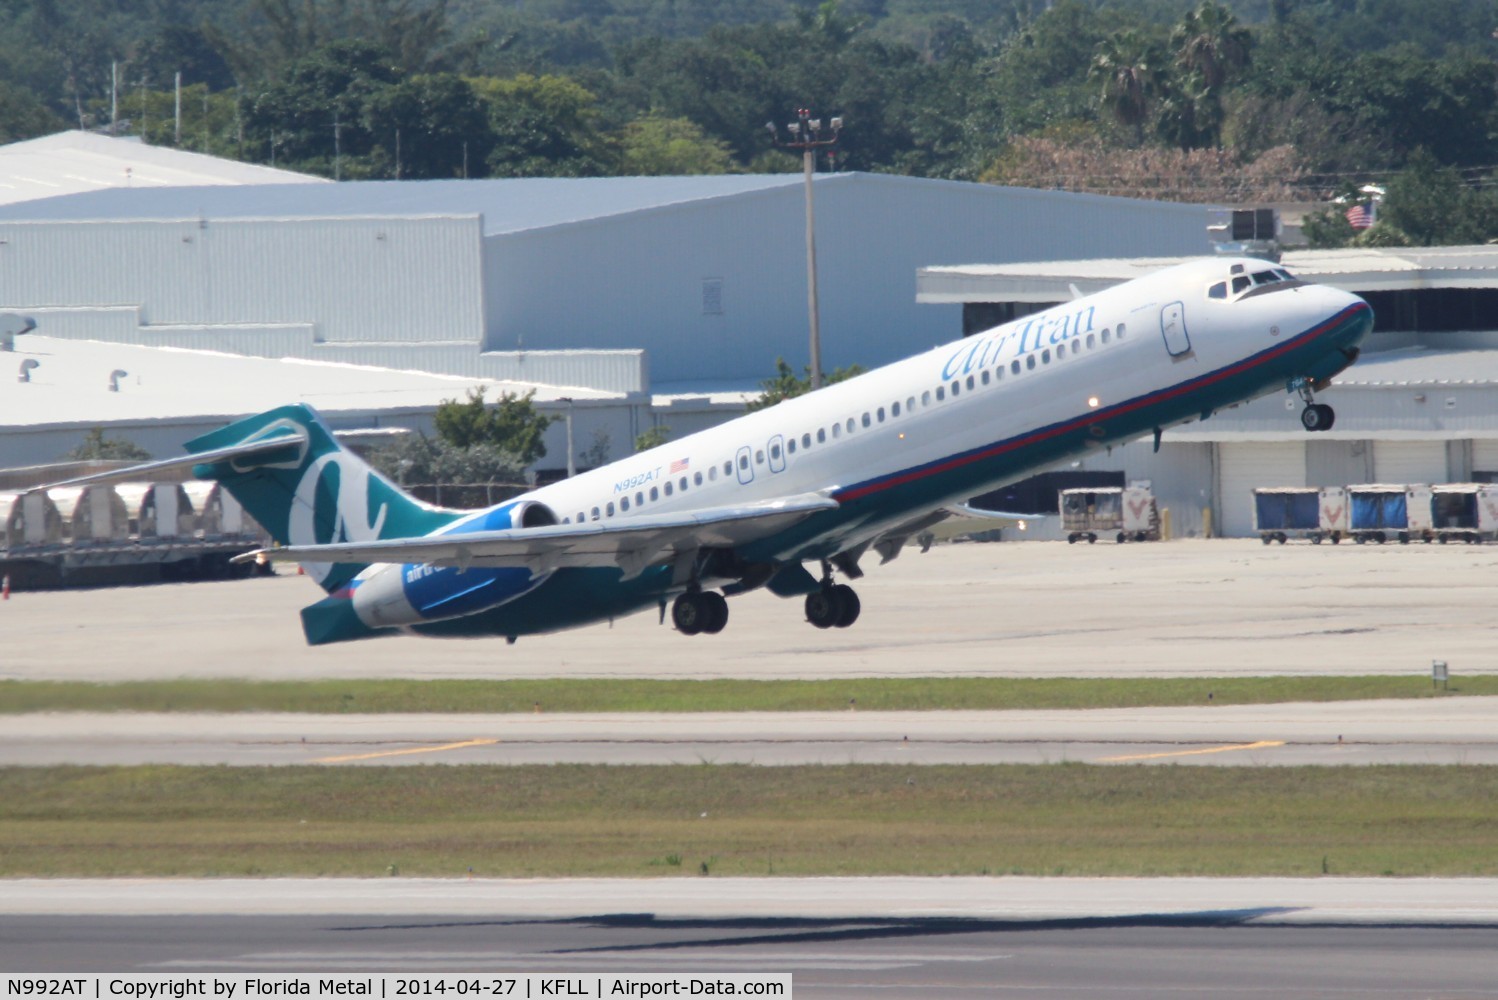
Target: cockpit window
1218	291
1265	277
1240	283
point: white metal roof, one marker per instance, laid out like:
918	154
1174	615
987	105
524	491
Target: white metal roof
71	385
74	162
1394	269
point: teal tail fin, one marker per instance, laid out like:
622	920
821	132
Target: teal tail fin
313	492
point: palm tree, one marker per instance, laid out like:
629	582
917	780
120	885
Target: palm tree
1126	64
1211	44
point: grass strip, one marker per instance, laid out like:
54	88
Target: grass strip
581	820
721	695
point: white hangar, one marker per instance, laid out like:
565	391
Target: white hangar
1418	407
633	284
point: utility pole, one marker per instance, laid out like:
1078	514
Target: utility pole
806	134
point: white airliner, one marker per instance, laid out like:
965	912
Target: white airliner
816	481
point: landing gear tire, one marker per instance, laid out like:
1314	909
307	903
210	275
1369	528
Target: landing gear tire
704	611
1091	538
848	605
1121	538
1071	539
823	608
717	611
1317	417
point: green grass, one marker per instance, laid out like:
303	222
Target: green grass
576	820
602	695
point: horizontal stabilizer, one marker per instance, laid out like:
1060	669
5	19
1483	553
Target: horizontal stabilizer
290	441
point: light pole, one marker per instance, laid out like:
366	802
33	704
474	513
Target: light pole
807	135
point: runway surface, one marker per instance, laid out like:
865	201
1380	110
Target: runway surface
1444	731
1093	938
1184	608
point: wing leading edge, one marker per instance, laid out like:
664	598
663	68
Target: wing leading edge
632	544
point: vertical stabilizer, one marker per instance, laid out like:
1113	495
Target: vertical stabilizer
314	492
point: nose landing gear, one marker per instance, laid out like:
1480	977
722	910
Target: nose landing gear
1316	416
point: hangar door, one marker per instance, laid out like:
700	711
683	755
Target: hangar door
1409	461
1247	465
1485	460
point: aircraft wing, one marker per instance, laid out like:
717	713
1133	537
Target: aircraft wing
632	543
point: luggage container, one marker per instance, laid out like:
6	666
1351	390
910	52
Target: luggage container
1379	511
1284	512
34	521
166	512
1466	512
1125	513
1334	514
100	516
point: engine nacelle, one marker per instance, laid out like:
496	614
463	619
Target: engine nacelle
391	595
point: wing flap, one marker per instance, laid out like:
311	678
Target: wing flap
633	544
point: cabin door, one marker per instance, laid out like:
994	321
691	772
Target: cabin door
1173	328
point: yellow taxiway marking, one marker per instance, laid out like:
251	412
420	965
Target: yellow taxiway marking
398	753
1261	745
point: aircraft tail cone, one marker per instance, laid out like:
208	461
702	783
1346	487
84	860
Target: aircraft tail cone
332	619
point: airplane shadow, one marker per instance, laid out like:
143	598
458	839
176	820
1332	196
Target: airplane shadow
755	931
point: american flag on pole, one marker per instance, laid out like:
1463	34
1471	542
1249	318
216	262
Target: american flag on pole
1361	215
680	465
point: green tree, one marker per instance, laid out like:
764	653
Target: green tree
95	446
1127	67
1430	205
544	126
653	438
511	425
428	126
787	385
1211	47
658	147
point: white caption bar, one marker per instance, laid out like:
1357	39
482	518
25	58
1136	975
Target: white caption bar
450	986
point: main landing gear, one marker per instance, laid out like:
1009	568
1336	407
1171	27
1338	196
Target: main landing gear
699	611
832	605
1316	416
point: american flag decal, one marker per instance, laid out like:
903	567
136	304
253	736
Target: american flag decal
680	465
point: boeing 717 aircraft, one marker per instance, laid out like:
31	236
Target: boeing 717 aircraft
793	496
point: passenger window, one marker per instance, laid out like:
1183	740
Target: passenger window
1030	362
866	420
790	447
1218	291
821	435
712	472
669	491
837	430
806	440
640	499
697	479
684	480
1014	367
1105	336
595	513
1121	331
971	382
926	398
743	461
624	503
909	404
1045	356
581	516
986	377
879	414
655	494
956	388
1089	342
894	409
609	510
759	456
941	393
850	425
728	468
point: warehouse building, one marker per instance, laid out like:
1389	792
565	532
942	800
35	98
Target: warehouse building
1418	407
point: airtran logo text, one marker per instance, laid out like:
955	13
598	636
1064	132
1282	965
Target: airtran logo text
1015	340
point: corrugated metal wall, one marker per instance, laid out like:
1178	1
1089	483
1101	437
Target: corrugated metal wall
352	280
716	289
